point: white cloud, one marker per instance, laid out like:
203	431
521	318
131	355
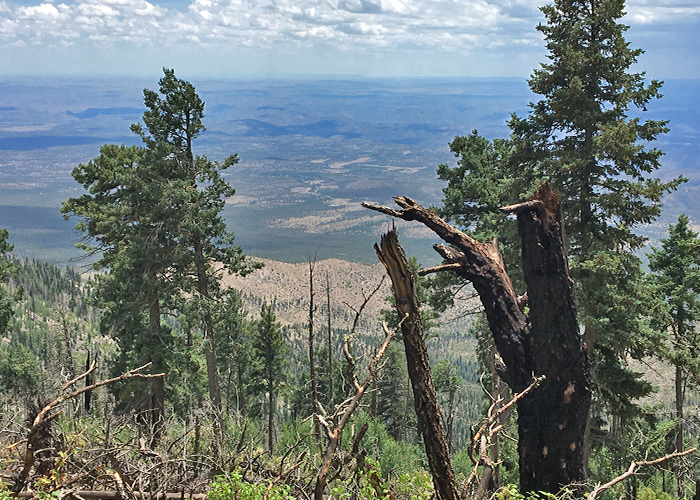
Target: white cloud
350	23
350	26
647	11
96	10
44	11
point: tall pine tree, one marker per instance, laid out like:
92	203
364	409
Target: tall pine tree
584	137
152	214
269	363
677	268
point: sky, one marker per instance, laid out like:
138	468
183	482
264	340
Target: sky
281	38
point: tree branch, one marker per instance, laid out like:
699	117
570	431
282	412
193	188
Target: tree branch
630	471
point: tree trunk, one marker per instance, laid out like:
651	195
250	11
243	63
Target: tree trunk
552	455
680	396
425	399
157	383
312	360
499	391
270	413
89	380
330	342
552	418
209	343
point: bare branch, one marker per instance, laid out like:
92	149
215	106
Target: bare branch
630	471
334	437
492	418
437	269
524	206
45	416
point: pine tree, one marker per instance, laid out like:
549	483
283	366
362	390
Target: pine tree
581	138
677	264
197	192
153	215
7	270
269	363
394	403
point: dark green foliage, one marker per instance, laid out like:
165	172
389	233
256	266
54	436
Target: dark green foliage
677	268
484	180
619	302
7	271
233	334
269	351
677	264
581	138
447	383
268	363
301	399
152	215
394	397
19	370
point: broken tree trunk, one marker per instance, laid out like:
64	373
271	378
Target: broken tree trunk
551	419
429	419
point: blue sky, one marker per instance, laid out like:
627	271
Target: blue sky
263	38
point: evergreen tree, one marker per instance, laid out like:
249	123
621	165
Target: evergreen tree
198	192
153	216
447	382
269	363
19	370
581	139
125	220
233	333
394	398
7	270
677	264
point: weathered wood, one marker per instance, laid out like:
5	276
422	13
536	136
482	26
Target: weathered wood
335	435
429	418
114	495
45	416
482	265
551	420
346	409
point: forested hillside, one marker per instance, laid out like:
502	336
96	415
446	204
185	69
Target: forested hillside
522	366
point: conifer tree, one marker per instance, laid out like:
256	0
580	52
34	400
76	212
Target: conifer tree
269	363
153	216
198	192
19	370
581	138
7	270
394	406
677	264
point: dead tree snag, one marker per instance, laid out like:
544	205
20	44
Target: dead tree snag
429	419
552	419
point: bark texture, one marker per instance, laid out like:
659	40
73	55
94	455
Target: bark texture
552	418
429	419
557	412
157	383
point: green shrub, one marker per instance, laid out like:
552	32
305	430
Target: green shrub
415	486
647	493
233	487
